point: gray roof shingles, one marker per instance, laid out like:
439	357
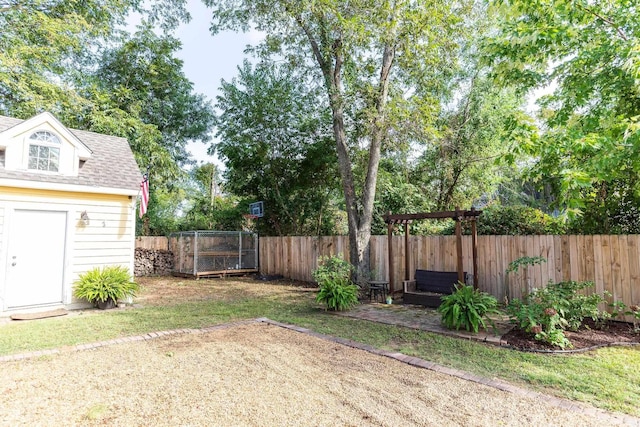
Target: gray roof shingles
111	165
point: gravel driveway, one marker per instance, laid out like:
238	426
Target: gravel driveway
252	375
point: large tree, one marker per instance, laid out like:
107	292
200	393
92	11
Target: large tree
371	56
460	164
144	77
275	140
74	60
43	43
588	55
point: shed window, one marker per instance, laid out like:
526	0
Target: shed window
44	151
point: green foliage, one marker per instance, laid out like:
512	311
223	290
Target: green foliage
619	308
145	79
460	165
467	308
381	66
587	53
548	311
524	261
517	220
512	221
279	152
337	290
100	285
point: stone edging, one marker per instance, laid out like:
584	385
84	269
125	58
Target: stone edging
136	338
495	340
604	416
578	350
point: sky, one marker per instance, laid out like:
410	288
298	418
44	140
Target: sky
209	59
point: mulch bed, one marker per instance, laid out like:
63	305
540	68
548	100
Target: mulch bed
588	336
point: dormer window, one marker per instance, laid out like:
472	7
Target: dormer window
44	151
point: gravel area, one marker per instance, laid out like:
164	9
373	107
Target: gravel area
252	375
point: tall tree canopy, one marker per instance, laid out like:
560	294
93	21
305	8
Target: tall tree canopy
275	139
144	78
43	43
74	60
372	57
590	52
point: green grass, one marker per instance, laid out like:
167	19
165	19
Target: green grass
606	378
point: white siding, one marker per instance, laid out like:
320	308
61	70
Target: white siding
107	239
3	259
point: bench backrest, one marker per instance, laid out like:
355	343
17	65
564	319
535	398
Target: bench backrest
436	281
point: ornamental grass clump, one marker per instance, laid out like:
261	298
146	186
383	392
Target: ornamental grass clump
337	291
467	308
110	283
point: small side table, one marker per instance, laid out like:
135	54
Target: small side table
378	287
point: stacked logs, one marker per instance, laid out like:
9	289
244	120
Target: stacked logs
153	262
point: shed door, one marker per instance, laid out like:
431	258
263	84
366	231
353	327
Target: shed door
36	258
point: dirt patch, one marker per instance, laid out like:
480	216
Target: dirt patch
254	374
588	336
159	291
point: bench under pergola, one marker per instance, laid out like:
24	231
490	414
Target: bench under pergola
457	215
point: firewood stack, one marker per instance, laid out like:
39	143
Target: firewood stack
153	262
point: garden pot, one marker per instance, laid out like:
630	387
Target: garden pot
106	304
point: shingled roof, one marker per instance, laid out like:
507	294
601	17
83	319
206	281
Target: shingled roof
111	165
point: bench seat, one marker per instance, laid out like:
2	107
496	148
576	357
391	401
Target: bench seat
429	286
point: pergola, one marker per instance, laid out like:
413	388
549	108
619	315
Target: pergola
457	215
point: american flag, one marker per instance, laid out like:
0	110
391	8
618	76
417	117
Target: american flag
144	190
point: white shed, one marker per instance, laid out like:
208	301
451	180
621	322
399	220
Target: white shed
67	205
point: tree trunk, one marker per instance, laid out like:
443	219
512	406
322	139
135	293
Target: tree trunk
359	216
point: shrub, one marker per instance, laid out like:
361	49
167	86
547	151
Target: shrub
517	220
337	290
512	221
110	283
547	312
467	308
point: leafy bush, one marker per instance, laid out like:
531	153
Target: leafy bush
467	308
110	283
337	290
547	312
512	221
517	220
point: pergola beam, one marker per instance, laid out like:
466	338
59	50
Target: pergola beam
457	215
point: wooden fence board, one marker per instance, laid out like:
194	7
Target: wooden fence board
612	262
634	268
152	242
598	277
625	283
615	269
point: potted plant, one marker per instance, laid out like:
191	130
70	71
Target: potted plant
104	287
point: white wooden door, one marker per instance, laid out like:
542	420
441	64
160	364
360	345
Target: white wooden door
36	250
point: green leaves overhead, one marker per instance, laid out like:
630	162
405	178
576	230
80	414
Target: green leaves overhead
275	139
587	52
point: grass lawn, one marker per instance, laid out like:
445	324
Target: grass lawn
606	378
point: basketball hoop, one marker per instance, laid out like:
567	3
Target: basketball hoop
249	216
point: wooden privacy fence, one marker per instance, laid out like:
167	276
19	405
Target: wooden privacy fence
152	242
611	262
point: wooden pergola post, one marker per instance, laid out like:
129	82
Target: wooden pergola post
390	251
458	219
474	246
457	215
407	253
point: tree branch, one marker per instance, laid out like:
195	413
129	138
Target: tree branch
606	21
